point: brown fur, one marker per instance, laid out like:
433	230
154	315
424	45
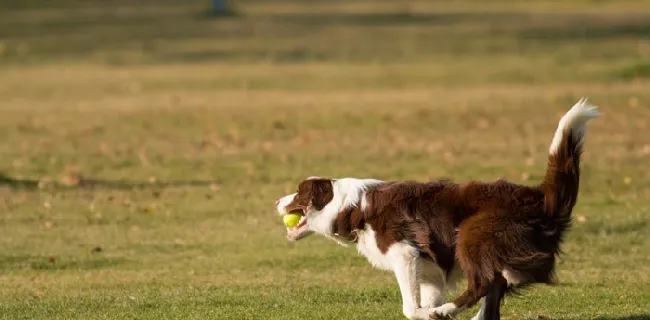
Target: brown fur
486	227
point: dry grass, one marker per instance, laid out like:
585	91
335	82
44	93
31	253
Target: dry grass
144	145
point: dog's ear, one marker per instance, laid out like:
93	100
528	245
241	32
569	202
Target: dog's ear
322	193
315	192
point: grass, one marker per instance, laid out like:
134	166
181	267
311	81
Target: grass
143	146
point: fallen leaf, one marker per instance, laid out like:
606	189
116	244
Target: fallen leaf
148	209
71	178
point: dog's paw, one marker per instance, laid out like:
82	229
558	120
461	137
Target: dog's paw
438	316
444	312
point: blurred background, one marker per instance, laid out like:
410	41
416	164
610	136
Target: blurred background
145	142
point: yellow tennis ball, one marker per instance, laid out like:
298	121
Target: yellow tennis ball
291	219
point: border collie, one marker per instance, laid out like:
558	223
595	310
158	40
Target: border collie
499	235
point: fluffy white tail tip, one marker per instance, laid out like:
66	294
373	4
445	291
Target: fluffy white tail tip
574	120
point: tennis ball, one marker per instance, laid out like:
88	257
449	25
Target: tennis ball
291	219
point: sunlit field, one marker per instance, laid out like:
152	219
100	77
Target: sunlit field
144	144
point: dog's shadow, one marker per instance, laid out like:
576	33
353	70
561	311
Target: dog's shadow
632	317
87	183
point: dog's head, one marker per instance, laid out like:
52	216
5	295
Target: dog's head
320	200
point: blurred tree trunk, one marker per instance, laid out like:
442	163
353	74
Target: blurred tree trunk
222	7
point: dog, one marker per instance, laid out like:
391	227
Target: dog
500	235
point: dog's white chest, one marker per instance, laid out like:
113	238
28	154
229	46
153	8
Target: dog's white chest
367	246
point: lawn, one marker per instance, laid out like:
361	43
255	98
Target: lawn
144	144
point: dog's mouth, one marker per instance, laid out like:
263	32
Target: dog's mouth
301	230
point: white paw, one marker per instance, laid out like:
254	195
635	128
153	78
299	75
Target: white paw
417	314
444	312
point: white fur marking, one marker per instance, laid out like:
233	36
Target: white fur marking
364	203
403	259
447	309
347	192
367	246
574	120
284	202
512	277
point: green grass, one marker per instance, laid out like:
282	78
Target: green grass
143	147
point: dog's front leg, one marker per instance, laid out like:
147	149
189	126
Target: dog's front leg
405	267
432	284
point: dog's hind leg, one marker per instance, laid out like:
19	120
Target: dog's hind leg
492	302
480	315
474	254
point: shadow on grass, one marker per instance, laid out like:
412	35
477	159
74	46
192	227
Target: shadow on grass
639	70
289	55
369	19
53	263
587	27
84	183
17	183
633	317
553	25
152	32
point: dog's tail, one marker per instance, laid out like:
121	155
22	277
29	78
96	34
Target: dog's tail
563	172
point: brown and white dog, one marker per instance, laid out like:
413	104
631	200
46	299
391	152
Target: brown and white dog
499	234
